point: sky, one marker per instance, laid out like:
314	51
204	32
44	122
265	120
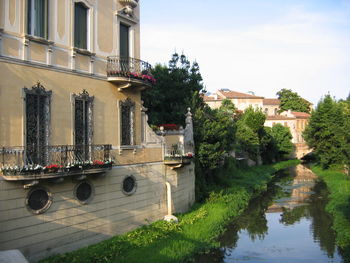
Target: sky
260	46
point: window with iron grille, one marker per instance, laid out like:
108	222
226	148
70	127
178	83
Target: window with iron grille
84	192
37	18
83	104
127	108
129	185
37	104
38	200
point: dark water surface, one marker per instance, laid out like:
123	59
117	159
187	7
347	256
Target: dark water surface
287	224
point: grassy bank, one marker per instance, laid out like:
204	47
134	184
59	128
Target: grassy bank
339	205
196	231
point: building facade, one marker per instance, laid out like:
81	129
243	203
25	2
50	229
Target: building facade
79	162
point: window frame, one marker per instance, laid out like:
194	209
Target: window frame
89	19
132	28
31	17
131	104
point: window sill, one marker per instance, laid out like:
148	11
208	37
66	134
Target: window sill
83	52
129	147
39	40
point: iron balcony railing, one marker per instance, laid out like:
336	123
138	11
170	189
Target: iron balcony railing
174	150
129	68
26	160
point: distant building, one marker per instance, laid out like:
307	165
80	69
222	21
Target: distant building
296	121
241	100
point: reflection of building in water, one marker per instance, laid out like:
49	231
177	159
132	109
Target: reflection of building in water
302	185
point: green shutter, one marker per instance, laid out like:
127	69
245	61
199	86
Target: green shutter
29	17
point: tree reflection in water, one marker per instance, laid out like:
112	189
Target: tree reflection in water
296	195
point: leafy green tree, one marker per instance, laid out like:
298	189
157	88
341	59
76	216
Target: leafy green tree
283	140
214	135
292	101
325	132
345	132
250	129
173	93
268	147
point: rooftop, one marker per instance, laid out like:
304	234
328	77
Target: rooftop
271	102
230	94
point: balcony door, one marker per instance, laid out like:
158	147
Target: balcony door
37	106
124	47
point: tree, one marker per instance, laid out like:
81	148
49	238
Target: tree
345	132
292	101
325	132
250	129
214	135
283	140
169	98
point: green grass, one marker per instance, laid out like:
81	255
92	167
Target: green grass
197	230
339	205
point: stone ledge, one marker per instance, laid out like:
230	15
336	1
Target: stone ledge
12	256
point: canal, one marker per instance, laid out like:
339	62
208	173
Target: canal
286	224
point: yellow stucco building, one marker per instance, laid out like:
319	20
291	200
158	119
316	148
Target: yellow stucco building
78	160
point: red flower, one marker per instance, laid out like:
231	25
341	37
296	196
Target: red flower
53	166
97	162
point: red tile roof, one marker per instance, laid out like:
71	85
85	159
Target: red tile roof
301	114
271	102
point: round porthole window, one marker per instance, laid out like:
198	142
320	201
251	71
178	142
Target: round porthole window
84	192
38	200
129	185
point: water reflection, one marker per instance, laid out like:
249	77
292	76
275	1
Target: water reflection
286	224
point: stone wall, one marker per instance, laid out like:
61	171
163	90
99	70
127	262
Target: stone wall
68	225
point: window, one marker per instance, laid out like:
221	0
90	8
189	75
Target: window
37	105
275	111
38	200
266	111
37	18
124	41
129	185
84	192
127	122
83	104
80	26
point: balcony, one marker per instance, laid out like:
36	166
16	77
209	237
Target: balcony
174	156
54	162
129	73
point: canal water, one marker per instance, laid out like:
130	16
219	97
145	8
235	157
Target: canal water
286	224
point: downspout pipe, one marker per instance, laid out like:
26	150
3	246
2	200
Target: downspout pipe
169	217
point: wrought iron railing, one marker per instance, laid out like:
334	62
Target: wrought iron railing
174	150
129	68
18	160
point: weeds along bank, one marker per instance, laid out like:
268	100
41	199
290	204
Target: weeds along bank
196	231
339	187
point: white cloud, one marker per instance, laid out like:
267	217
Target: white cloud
299	51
